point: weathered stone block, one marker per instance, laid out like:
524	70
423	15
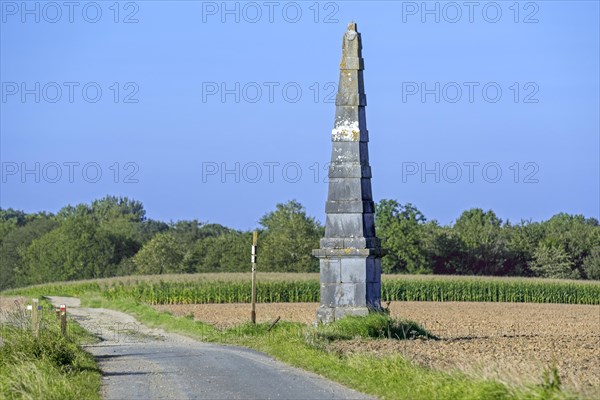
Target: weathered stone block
329	294
325	314
348	189
349	206
350	225
351	63
351	294
340	312
331	243
354	270
351	114
330	270
344	225
349	151
348	252
349	170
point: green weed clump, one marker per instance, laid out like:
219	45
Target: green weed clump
374	325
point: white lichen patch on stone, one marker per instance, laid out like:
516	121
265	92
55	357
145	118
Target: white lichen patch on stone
345	131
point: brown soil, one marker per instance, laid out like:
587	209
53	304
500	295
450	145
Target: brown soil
228	315
511	342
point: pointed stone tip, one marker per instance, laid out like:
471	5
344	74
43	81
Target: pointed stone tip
352	26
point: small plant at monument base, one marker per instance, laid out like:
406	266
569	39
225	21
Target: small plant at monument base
373	326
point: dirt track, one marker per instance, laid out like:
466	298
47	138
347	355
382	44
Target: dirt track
512	342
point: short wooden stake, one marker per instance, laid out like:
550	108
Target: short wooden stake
273	323
253	260
35	315
63	319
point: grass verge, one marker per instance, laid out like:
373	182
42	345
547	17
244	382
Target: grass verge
48	366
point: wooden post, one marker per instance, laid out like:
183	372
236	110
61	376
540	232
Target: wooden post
35	323
63	319
253	260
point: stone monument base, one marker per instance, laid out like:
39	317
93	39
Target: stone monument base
350	282
330	314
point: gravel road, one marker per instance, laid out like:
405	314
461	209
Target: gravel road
142	363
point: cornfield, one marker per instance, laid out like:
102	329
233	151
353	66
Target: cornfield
491	290
459	289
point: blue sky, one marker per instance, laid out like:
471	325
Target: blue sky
190	89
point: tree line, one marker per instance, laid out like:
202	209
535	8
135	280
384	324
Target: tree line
113	237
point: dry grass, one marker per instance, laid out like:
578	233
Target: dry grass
9	305
229	315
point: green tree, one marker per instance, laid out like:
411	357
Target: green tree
575	234
122	221
402	231
212	230
17	217
163	254
75	250
210	247
113	207
288	238
15	245
148	228
591	264
485	250
228	252
553	262
522	240
446	250
10	220
69	211
187	232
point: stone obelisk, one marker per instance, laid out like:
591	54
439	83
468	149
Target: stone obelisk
350	253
